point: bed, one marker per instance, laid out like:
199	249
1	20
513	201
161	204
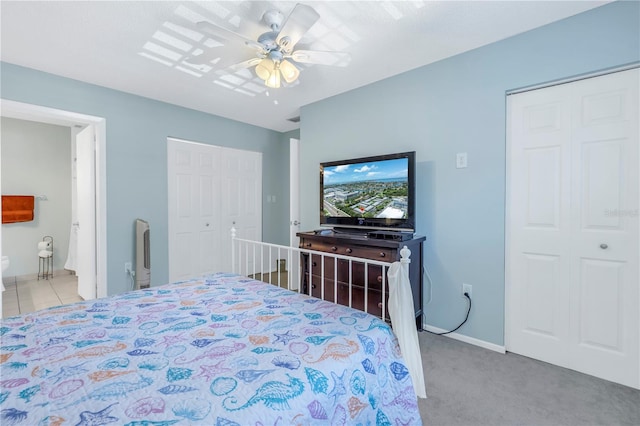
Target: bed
219	350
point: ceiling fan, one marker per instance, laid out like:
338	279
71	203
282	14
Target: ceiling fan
275	48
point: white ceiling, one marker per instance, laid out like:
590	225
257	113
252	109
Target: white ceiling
140	47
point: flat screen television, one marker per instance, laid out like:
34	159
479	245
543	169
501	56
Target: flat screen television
375	193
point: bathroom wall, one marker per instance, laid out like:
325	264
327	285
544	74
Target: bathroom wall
36	160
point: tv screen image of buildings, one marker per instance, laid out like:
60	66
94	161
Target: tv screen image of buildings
376	189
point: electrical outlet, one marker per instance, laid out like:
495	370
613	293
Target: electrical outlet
127	267
466	288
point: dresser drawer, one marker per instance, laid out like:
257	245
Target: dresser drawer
374	276
373	253
374	297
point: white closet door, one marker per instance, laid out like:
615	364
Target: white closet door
572	226
194	231
241	200
208	191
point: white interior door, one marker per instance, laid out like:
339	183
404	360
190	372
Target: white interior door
71	263
86	223
194	229
210	189
572	226
241	199
294	209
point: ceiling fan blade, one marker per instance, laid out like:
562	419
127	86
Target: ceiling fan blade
301	18
225	34
246	64
337	59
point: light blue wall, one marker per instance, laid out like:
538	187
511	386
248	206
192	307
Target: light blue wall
136	155
458	105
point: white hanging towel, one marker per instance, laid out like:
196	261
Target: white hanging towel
45	253
404	324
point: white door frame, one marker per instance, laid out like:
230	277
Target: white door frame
294	209
24	111
294	191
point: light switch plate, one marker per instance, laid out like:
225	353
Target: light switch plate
461	160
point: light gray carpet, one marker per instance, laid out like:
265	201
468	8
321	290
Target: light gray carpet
469	385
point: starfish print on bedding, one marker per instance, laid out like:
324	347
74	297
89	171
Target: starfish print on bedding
334	313
170	340
144	318
339	388
382	353
88	418
284	337
211	371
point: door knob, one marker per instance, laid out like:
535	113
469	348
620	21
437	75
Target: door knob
206	224
603	246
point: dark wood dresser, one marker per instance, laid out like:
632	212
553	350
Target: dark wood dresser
358	245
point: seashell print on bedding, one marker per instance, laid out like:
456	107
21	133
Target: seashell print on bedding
221	350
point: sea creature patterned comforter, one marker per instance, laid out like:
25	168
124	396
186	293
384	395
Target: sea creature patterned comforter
221	350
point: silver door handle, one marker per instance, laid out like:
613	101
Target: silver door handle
604	246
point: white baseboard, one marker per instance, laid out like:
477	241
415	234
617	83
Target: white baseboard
467	339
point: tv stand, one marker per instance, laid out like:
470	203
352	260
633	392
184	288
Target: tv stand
362	246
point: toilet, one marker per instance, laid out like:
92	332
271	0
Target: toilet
5	263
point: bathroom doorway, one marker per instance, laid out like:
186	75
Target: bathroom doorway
95	251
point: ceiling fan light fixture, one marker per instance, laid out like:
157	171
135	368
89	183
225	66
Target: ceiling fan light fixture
289	71
274	79
265	68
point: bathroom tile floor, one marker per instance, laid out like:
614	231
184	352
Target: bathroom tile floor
27	296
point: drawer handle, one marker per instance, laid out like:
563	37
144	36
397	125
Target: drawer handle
349	250
383	254
308	244
379	278
334	248
315	264
313	286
